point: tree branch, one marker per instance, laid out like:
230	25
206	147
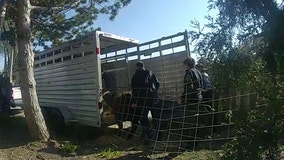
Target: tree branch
3	9
72	5
47	8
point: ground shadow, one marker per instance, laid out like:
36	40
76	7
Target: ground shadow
13	130
90	140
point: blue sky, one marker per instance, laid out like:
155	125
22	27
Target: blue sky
146	20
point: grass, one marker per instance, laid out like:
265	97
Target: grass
35	144
109	153
69	148
200	155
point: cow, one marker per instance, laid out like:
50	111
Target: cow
122	110
169	118
161	116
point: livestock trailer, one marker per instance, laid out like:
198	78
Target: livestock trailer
69	76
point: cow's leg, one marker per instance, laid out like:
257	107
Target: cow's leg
135	123
119	122
158	123
145	123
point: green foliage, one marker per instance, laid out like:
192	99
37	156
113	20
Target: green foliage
259	135
58	21
242	21
55	22
259	131
250	18
9	36
68	148
245	45
35	144
109	153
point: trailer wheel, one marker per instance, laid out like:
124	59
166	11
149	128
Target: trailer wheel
54	121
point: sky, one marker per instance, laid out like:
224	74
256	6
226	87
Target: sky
146	20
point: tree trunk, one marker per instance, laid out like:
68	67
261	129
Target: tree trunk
36	124
3	9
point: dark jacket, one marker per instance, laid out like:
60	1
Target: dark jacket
144	85
192	84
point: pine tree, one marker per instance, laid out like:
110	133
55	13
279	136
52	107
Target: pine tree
38	22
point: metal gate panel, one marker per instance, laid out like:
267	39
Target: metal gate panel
162	56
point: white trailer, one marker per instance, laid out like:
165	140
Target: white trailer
163	56
69	76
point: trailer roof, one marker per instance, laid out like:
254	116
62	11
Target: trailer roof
110	42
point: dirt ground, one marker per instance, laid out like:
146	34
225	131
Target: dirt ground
81	142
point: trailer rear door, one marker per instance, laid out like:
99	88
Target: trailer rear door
68	77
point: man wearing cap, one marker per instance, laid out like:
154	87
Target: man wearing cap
144	86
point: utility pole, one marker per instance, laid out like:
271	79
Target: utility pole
11	64
5	62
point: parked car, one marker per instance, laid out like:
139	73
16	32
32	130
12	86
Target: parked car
16	100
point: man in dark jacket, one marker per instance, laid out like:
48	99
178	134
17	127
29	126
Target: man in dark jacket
192	83
144	86
190	98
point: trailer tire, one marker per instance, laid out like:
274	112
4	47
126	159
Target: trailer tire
54	121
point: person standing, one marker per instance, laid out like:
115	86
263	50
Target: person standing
190	98
208	87
192	83
144	87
